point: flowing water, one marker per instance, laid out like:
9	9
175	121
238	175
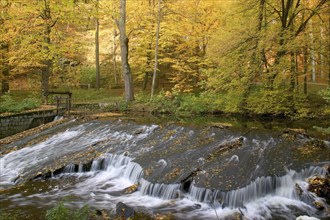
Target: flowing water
192	172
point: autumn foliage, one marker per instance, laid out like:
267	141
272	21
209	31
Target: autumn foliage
251	55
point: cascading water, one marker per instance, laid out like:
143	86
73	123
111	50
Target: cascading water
163	191
159	160
107	169
109	163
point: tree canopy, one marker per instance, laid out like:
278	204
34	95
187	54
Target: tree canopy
257	54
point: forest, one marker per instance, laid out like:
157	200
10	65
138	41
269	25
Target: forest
257	57
172	109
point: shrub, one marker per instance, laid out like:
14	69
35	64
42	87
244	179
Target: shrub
163	103
88	75
326	94
60	212
276	102
194	104
180	104
322	130
8	104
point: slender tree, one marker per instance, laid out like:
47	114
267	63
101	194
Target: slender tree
151	6
126	69
154	77
4	49
289	13
114	55
97	47
48	23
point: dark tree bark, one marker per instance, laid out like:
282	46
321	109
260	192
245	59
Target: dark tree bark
292	71
5	69
114	55
127	74
288	12
97	48
4	52
154	77
146	74
255	59
47	62
305	63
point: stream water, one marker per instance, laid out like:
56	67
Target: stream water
192	172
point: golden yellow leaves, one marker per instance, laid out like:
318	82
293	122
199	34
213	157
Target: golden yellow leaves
131	189
177	171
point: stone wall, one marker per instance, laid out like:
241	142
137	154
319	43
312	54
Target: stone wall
13	124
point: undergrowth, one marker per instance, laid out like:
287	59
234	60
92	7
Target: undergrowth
9	104
60	212
271	103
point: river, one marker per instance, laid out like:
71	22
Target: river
204	170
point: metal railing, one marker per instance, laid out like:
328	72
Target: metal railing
62	100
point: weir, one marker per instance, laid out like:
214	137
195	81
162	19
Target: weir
158	160
283	186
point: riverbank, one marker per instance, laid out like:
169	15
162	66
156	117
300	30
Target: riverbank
314	105
185	107
316	127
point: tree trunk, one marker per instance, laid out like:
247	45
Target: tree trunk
296	69
154	77
47	63
305	69
292	71
114	55
127	75
4	50
312	56
97	48
278	57
146	74
5	70
145	80
321	53
46	69
256	59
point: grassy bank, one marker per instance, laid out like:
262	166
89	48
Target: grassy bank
274	103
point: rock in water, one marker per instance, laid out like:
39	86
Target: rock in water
131	189
320	186
124	211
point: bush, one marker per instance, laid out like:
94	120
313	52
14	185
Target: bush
8	104
326	94
191	104
60	212
179	104
163	103
10	216
277	103
260	101
88	75
322	130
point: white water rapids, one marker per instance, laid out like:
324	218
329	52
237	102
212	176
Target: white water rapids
101	186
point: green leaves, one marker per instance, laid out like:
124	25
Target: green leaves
8	104
60	212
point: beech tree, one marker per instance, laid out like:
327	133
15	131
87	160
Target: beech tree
154	77
97	46
4	47
126	69
184	46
